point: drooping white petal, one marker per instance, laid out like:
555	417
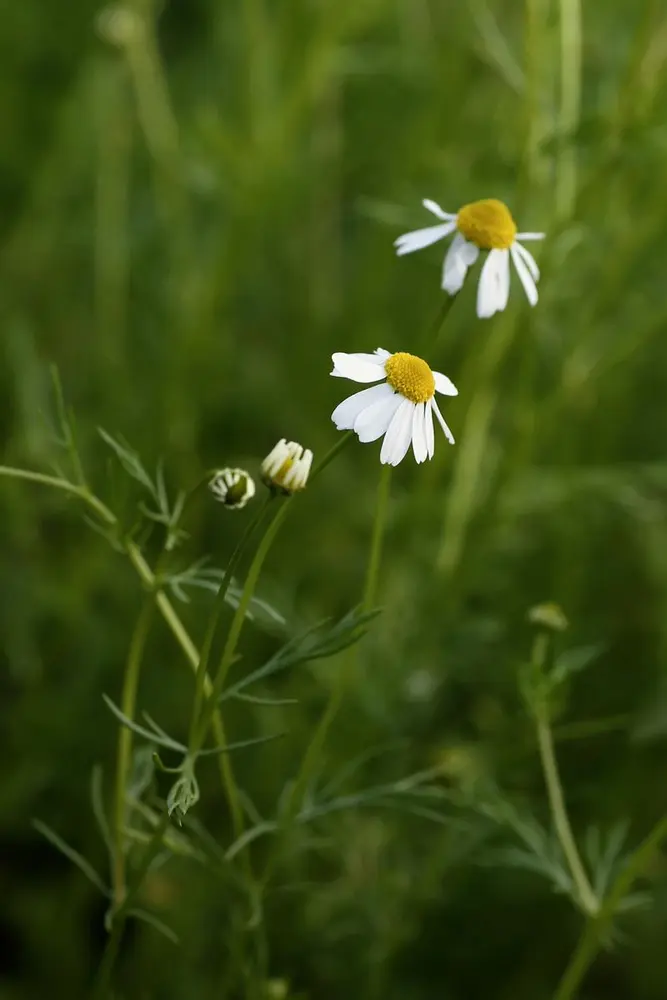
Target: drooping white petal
493	285
358	367
444	385
530	236
347	412
419	434
529	260
503	280
433	206
458	259
527	280
436	409
397	439
428	429
421	238
374	420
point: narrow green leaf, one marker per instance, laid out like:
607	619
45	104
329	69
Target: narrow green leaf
155	923
240	745
72	855
141	731
97	801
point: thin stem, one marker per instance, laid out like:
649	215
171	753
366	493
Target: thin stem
331	454
119	915
590	940
377	537
587	897
61	484
202	666
124	751
433	332
570	106
237	623
316	744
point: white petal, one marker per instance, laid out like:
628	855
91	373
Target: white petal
397	439
374	420
421	238
458	259
347	412
448	433
419	434
503	280
381	354
525	276
491	294
530	236
428	428
444	385
357	367
433	206
529	260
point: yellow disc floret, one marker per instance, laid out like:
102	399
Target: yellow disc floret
488	224
410	376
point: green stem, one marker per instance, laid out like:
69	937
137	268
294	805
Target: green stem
238	620
587	898
333	452
377	537
590	941
316	743
570	107
202	666
433	332
101	990
124	751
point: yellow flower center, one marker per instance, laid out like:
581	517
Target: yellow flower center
488	224
410	376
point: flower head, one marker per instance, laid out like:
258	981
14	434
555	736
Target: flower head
232	487
401	408
287	466
481	225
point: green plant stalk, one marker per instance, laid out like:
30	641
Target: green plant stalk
114	148
317	741
196	742
432	333
101	990
199	735
461	501
377	538
587	898
590	940
202	666
570	107
535	33
124	751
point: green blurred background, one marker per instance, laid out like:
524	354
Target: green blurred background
198	204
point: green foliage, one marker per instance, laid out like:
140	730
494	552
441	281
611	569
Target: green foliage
199	203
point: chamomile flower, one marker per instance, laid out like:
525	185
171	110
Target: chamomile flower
401	408
232	487
481	225
287	466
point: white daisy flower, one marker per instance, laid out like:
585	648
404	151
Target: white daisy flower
287	466
401	408
232	487
482	225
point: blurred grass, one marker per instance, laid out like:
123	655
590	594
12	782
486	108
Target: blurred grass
192	222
